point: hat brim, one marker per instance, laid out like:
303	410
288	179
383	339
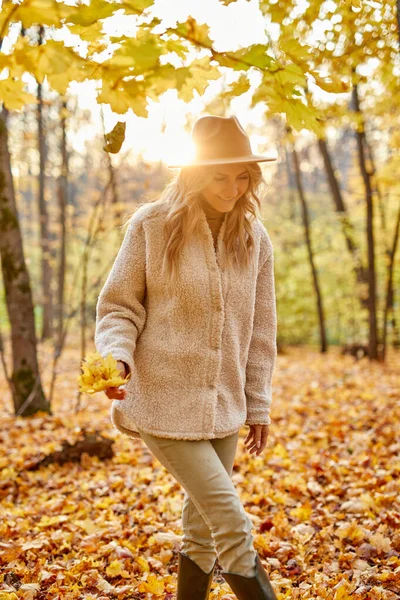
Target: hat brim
226	161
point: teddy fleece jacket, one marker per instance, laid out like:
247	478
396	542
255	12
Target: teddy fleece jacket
202	351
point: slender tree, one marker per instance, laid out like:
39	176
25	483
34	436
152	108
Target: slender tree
47	304
389	284
307	233
366	176
62	216
28	395
340	207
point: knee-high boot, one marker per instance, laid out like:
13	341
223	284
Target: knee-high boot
193	582
257	587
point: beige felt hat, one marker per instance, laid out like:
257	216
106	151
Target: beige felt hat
221	140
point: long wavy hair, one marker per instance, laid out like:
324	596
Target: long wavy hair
183	213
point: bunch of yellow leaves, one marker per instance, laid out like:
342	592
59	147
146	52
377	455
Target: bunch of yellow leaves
99	374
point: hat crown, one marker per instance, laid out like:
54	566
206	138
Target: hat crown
219	138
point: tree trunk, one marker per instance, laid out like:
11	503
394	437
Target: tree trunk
321	317
114	192
389	304
47	304
391	300
291	185
374	184
62	203
347	227
28	395
366	176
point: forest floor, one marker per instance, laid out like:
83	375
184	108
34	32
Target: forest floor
324	496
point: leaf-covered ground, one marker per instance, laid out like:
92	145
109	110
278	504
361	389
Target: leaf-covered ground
323	496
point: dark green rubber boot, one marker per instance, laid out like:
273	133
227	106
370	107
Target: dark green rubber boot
257	587
193	582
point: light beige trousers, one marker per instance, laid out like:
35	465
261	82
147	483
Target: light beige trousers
214	521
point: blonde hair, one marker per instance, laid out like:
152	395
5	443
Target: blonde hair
183	214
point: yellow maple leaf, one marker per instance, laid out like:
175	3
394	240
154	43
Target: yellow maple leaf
114	568
280	450
121	97
88	525
142	564
334	83
99	373
49	521
89	33
380	542
43	12
152	585
13	95
342	593
302	513
352	531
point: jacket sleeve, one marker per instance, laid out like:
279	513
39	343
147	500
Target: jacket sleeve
120	313
263	348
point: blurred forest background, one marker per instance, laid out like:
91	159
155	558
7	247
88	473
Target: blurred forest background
322	81
332	204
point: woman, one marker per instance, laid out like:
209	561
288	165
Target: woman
189	310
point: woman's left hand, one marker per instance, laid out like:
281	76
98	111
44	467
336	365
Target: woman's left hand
256	439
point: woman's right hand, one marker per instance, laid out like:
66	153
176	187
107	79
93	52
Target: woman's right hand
115	393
